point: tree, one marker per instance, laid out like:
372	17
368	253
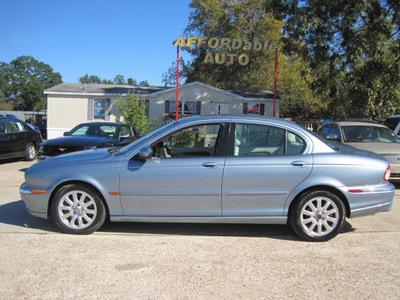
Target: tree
90	79
26	80
132	81
169	76
119	79
246	20
353	49
3	81
133	111
144	83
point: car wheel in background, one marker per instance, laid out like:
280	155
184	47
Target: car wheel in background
318	216
30	152
78	209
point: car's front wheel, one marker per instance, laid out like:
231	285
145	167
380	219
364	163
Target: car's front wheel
30	152
78	209
318	216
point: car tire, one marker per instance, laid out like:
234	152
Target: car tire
318	216
78	209
30	152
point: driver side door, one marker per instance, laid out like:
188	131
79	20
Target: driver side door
182	178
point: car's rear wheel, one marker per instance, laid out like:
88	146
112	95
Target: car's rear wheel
78	209
318	216
30	152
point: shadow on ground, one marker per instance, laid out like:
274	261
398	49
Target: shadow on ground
15	214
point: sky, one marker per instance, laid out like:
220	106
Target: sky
104	38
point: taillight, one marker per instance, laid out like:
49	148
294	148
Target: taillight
387	174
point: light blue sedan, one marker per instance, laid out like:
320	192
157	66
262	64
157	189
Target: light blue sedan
213	169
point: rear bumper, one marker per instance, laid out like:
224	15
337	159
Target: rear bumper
371	210
369	200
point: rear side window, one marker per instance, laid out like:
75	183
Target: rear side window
392	123
263	140
3	126
17	126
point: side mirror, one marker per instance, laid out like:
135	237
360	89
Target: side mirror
124	136
145	153
67	133
333	137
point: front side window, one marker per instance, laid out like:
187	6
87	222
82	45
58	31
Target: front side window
189	142
263	140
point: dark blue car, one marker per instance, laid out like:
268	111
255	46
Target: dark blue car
88	136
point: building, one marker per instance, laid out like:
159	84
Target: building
70	104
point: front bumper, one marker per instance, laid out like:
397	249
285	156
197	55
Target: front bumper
36	199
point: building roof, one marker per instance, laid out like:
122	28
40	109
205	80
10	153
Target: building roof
109	89
115	90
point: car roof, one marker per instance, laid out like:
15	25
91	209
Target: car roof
99	123
238	118
357	123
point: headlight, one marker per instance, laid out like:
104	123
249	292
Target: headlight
41	149
89	147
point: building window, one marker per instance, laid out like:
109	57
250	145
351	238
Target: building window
99	109
255	108
189	107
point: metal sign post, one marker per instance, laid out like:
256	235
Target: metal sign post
275	77
177	83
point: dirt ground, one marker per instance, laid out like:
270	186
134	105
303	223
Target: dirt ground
191	261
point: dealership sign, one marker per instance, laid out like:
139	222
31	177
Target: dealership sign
215	43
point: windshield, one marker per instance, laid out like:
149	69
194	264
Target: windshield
104	130
368	134
144	139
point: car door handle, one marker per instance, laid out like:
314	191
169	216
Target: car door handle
210	165
299	163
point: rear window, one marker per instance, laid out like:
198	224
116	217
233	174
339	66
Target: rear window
392	123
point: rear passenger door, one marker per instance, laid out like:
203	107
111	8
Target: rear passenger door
267	164
6	143
19	136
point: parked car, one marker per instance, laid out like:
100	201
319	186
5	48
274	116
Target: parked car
393	122
17	139
212	169
15	117
368	136
89	136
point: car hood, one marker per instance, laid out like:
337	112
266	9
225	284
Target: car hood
76	157
381	148
77	141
